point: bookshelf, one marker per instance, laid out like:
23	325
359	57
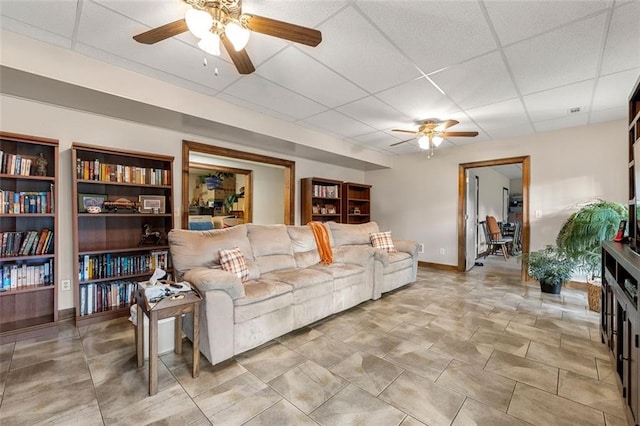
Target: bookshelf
122	212
356	199
320	200
29	243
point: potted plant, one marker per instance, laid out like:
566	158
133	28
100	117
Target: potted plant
214	180
551	267
582	233
228	202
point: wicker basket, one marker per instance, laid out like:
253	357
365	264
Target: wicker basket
593	296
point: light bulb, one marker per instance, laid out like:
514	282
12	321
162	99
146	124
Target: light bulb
237	34
437	140
423	142
210	44
199	22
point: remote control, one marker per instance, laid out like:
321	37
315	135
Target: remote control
175	285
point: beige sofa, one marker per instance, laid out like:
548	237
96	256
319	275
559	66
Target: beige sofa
287	287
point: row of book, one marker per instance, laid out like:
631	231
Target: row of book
99	297
16	275
95	170
325	191
95	267
12	202
12	164
26	243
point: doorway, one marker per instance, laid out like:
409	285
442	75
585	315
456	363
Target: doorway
465	228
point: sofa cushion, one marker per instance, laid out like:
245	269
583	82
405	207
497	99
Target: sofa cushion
300	278
339	270
383	241
272	248
233	261
304	246
398	261
261	289
343	233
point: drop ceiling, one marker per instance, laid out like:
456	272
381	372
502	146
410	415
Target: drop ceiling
502	68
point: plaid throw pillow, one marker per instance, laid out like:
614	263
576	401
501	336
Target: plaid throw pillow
382	240
233	261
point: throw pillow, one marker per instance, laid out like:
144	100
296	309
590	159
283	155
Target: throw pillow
382	240
233	261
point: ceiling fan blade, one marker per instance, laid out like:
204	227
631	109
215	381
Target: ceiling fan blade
240	59
162	33
403	131
401	142
450	134
446	124
284	30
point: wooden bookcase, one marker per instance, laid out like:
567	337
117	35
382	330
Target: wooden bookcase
110	253
28	215
356	202
321	200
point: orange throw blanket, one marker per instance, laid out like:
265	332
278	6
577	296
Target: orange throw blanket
322	241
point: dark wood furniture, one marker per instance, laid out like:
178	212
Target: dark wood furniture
356	202
619	320
169	307
321	200
28	202
114	249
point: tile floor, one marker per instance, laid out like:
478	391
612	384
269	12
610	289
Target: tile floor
450	349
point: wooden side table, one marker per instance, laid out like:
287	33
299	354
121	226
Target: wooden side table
168	307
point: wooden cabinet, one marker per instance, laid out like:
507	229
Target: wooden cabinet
29	240
122	212
321	200
356	202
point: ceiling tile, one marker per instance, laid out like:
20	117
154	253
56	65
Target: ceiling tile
517	20
298	72
434	35
554	103
36	33
55	17
339	123
353	48
253	107
262	92
480	81
561	123
557	58
509	113
419	100
617	113
377	139
622	50
374	112
308	13
612	91
512	131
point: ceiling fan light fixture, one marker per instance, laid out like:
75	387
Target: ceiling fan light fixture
423	142
199	22
237	34
210	44
437	140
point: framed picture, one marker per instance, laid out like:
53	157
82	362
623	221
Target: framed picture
90	200
331	209
152	204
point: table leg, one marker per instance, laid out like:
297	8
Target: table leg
177	335
196	340
153	353
140	336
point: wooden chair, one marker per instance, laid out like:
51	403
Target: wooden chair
494	238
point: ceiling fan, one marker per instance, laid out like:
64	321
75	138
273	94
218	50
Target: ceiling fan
431	133
213	21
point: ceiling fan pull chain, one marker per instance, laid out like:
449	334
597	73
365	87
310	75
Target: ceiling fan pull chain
204	62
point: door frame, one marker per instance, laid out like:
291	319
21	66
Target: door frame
462	208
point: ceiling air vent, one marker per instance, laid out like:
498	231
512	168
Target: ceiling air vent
573	110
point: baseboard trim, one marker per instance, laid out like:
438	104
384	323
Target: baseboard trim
66	314
440	266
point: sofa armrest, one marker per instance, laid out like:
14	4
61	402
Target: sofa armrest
354	254
207	279
407	246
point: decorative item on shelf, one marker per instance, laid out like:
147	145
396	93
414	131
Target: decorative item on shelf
315	209
94	209
41	165
214	180
332	191
151	237
551	266
356	211
90	200
323	210
121	204
331	209
151	204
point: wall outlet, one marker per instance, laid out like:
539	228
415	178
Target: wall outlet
420	248
442	251
66	285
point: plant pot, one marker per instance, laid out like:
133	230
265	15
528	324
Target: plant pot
213	183
550	287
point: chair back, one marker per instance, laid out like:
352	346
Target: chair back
494	229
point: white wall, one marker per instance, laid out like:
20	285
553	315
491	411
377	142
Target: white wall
490	192
515	186
68	126
568	167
